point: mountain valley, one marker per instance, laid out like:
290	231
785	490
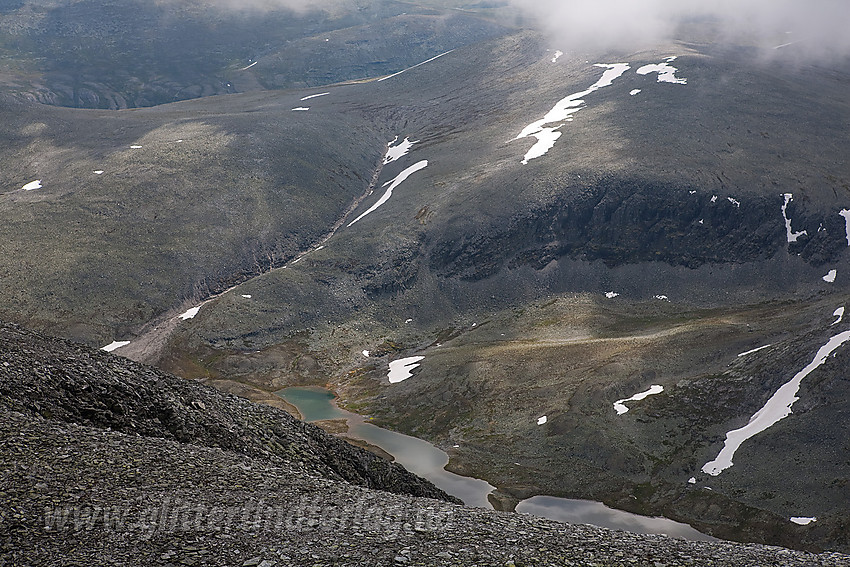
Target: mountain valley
559	236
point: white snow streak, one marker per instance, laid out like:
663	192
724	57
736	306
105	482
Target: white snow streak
755	350
800	520
114	345
314	96
791	235
32	185
563	112
786	44
838	313
249	66
393	184
619	405
414	67
777	407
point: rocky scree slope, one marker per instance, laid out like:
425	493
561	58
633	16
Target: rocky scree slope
59	380
75	491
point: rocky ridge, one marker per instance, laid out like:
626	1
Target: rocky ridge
58	380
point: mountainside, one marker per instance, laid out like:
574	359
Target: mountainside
109	462
499	273
559	235
56	380
130	53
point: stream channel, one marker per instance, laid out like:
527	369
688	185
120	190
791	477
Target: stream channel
427	461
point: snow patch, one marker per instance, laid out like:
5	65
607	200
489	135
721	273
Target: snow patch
136	147
846	214
394	152
365	353
557	55
830	276
98	172
393	184
190	314
246	295
619	405
666	72
633	92
786	44
415	66
777	407
249	66
611	294
308	97
734	202
790	234
838	313
32	185
114	345
400	370
301	108
803	521
661	297
563	112
692	480
755	350
541	420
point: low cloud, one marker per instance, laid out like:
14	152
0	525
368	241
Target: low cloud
815	28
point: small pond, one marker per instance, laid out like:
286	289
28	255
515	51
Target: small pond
427	461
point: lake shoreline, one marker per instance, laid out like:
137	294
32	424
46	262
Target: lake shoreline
320	406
